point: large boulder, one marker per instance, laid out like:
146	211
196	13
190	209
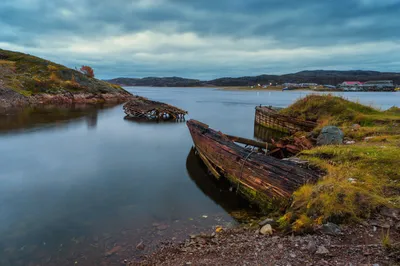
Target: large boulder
330	135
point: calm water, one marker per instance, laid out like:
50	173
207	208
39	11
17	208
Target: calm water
83	186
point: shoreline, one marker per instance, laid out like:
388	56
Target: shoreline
12	100
329	245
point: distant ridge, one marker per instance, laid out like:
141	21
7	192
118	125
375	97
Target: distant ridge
332	77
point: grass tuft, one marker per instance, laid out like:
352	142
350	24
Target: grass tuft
360	178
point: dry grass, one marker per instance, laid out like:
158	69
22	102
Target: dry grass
361	177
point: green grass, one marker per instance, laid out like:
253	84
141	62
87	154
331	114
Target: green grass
359	178
337	111
27	75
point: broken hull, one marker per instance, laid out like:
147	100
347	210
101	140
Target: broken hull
262	179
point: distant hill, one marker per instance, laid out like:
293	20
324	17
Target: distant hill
26	79
331	77
158	82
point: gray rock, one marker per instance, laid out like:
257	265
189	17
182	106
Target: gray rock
322	250
311	247
330	135
331	229
266	230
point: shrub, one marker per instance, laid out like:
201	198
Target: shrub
87	71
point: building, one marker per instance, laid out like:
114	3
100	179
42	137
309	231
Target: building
351	84
375	85
379	85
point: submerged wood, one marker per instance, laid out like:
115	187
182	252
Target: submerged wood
269	117
143	108
262	178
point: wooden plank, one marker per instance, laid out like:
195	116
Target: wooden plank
272	177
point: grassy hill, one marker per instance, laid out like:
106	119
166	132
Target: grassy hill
361	178
26	79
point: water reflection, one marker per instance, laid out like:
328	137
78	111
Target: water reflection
267	134
220	191
56	116
153	121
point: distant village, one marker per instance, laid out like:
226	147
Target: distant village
376	85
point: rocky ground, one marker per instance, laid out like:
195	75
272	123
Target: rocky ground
357	244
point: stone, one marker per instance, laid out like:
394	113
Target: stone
162	227
397	226
331	229
113	251
355	127
266	230
140	246
280	246
266	221
330	135
311	247
322	250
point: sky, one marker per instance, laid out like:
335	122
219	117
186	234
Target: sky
205	39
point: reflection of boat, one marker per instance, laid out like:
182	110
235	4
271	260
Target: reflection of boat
219	191
267	134
143	108
266	177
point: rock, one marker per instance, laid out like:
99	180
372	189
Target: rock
112	251
140	246
322	250
349	142
355	127
330	135
266	221
311	247
397	226
280	246
352	180
292	255
162	227
331	229
266	230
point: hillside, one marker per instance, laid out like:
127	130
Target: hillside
158	82
26	79
314	76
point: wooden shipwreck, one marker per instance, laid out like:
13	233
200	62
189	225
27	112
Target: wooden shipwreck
261	178
144	109
269	117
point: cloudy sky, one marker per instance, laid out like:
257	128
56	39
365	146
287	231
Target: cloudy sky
205	38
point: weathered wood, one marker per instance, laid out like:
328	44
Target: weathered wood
274	178
141	107
259	144
269	117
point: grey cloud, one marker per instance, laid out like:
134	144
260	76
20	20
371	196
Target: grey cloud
291	23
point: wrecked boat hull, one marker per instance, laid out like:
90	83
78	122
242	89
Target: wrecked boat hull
263	179
141	108
270	118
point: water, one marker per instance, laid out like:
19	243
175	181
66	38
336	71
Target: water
79	184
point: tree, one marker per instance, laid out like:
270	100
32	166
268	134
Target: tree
87	71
